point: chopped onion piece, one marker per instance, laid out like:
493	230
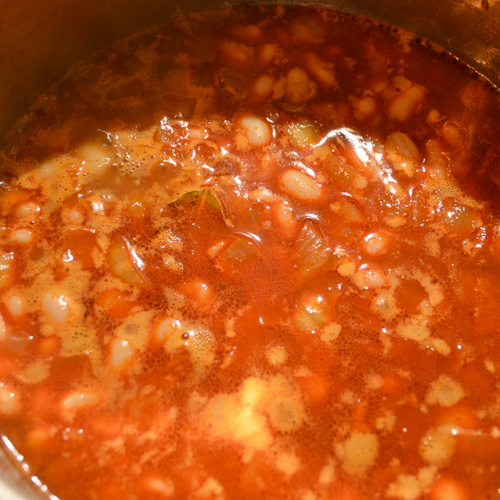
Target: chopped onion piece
124	263
310	248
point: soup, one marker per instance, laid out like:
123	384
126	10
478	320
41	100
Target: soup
255	254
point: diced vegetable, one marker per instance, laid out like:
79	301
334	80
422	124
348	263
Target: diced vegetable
348	210
341	173
125	263
457	217
310	249
239	252
302	134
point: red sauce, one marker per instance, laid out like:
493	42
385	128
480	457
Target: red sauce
255	254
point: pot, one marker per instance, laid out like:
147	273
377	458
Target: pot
40	40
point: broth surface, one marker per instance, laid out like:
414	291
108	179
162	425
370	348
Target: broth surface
255	254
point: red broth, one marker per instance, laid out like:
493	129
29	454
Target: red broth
255	254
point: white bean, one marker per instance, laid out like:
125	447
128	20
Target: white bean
263	86
72	216
166	328
15	305
370	277
364	107
27	210
453	135
171	263
159	487
46	170
56	306
3	328
322	71
122	353
96	157
375	243
301	186
406	103
6	269
257	131
21	237
10	404
284	217
267	53
299	87
77	400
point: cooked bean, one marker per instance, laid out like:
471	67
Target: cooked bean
121	354
56	306
257	130
78	400
10	400
448	489
301	186
376	243
406	103
299	88
21	237
263	86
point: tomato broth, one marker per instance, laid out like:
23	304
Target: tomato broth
255	253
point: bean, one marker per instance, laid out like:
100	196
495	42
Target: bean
312	313
15	304
308	29
165	328
263	86
299	88
217	248
39	437
21	237
370	276
301	186
457	217
284	217
438	445
10	402
364	107
249	33
406	103
56	306
77	400
435	160
27	210
96	159
200	292
3	328
323	72
171	263
237	54
157	486
453	135
121	354
257	130
376	243
448	489
267	53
